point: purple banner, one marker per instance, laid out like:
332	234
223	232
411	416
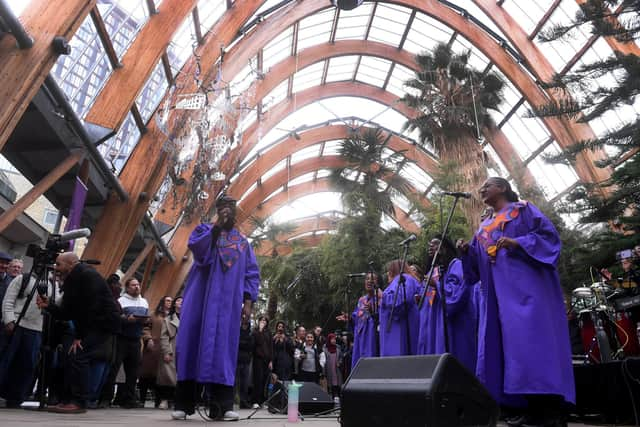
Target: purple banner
76	208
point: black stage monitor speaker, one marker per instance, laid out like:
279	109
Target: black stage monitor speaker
426	391
312	399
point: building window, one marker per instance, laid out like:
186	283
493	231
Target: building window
50	217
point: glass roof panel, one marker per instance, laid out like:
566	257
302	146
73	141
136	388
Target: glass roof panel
527	14
477	13
477	59
315	29
277	95
323	173
525	134
495	166
353	23
332	148
117	149
389	23
123	20
305	153
302	179
373	70
243	79
249	190
308	77
209	11
278	191
152	92
401	201
306	206
425	33
341	68
278	167
553	178
559	52
399	76
82	73
510	97
181	46
277	49
416	176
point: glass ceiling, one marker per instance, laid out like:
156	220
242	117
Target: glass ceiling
83	73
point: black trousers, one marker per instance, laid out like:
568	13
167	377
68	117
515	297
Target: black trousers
260	371
218	397
128	356
78	364
242	382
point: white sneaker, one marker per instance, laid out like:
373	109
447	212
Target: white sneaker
163	405
255	406
231	416
179	415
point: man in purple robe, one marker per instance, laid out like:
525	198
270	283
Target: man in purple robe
460	309
524	354
219	292
402	338
364	321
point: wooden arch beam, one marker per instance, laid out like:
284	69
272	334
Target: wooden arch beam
290	145
562	130
303	226
311	241
23	70
252	200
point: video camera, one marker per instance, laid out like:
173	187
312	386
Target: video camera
56	244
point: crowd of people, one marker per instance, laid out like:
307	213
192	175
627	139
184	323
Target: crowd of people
480	304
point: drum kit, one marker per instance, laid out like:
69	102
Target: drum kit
607	319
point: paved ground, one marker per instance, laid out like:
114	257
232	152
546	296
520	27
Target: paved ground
147	418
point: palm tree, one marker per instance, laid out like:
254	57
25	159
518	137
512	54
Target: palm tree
267	231
368	166
453	101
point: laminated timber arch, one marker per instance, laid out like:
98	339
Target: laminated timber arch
146	168
290	145
303	226
22	71
564	132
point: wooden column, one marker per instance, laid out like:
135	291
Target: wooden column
151	260
142	256
22	71
38	190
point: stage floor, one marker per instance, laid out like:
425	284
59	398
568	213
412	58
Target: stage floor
149	418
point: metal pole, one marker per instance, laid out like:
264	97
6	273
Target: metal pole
14	26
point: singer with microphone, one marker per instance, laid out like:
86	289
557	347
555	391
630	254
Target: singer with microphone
524	354
401	338
364	319
87	301
219	293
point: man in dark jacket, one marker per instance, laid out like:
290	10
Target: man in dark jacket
245	352
88	303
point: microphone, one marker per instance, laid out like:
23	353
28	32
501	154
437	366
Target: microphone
90	261
74	234
462	194
408	240
356	275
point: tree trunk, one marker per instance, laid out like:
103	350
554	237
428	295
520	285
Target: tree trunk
467	154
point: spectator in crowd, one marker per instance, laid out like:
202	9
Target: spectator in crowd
245	354
282	353
151	350
319	338
88	303
106	393
262	356
299	338
15	267
347	357
5	278
333	366
19	354
311	362
135	313
166	380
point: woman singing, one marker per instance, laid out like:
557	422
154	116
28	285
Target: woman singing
524	355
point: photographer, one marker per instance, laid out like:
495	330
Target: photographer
19	355
88	303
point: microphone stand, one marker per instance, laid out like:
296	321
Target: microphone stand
347	292
401	283
374	310
443	297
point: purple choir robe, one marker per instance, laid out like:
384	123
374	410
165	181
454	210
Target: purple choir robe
364	332
523	338
461	318
220	279
402	338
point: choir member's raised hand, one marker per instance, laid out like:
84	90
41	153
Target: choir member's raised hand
342	317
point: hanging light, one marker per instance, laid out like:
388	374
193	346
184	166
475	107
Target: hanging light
346	4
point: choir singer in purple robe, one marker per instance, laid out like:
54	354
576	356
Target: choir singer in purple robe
219	292
524	354
402	338
364	321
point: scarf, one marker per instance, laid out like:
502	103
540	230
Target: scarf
331	347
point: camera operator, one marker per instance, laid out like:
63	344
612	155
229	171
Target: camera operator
88	303
19	355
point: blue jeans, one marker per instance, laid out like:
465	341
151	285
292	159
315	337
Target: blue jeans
18	364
